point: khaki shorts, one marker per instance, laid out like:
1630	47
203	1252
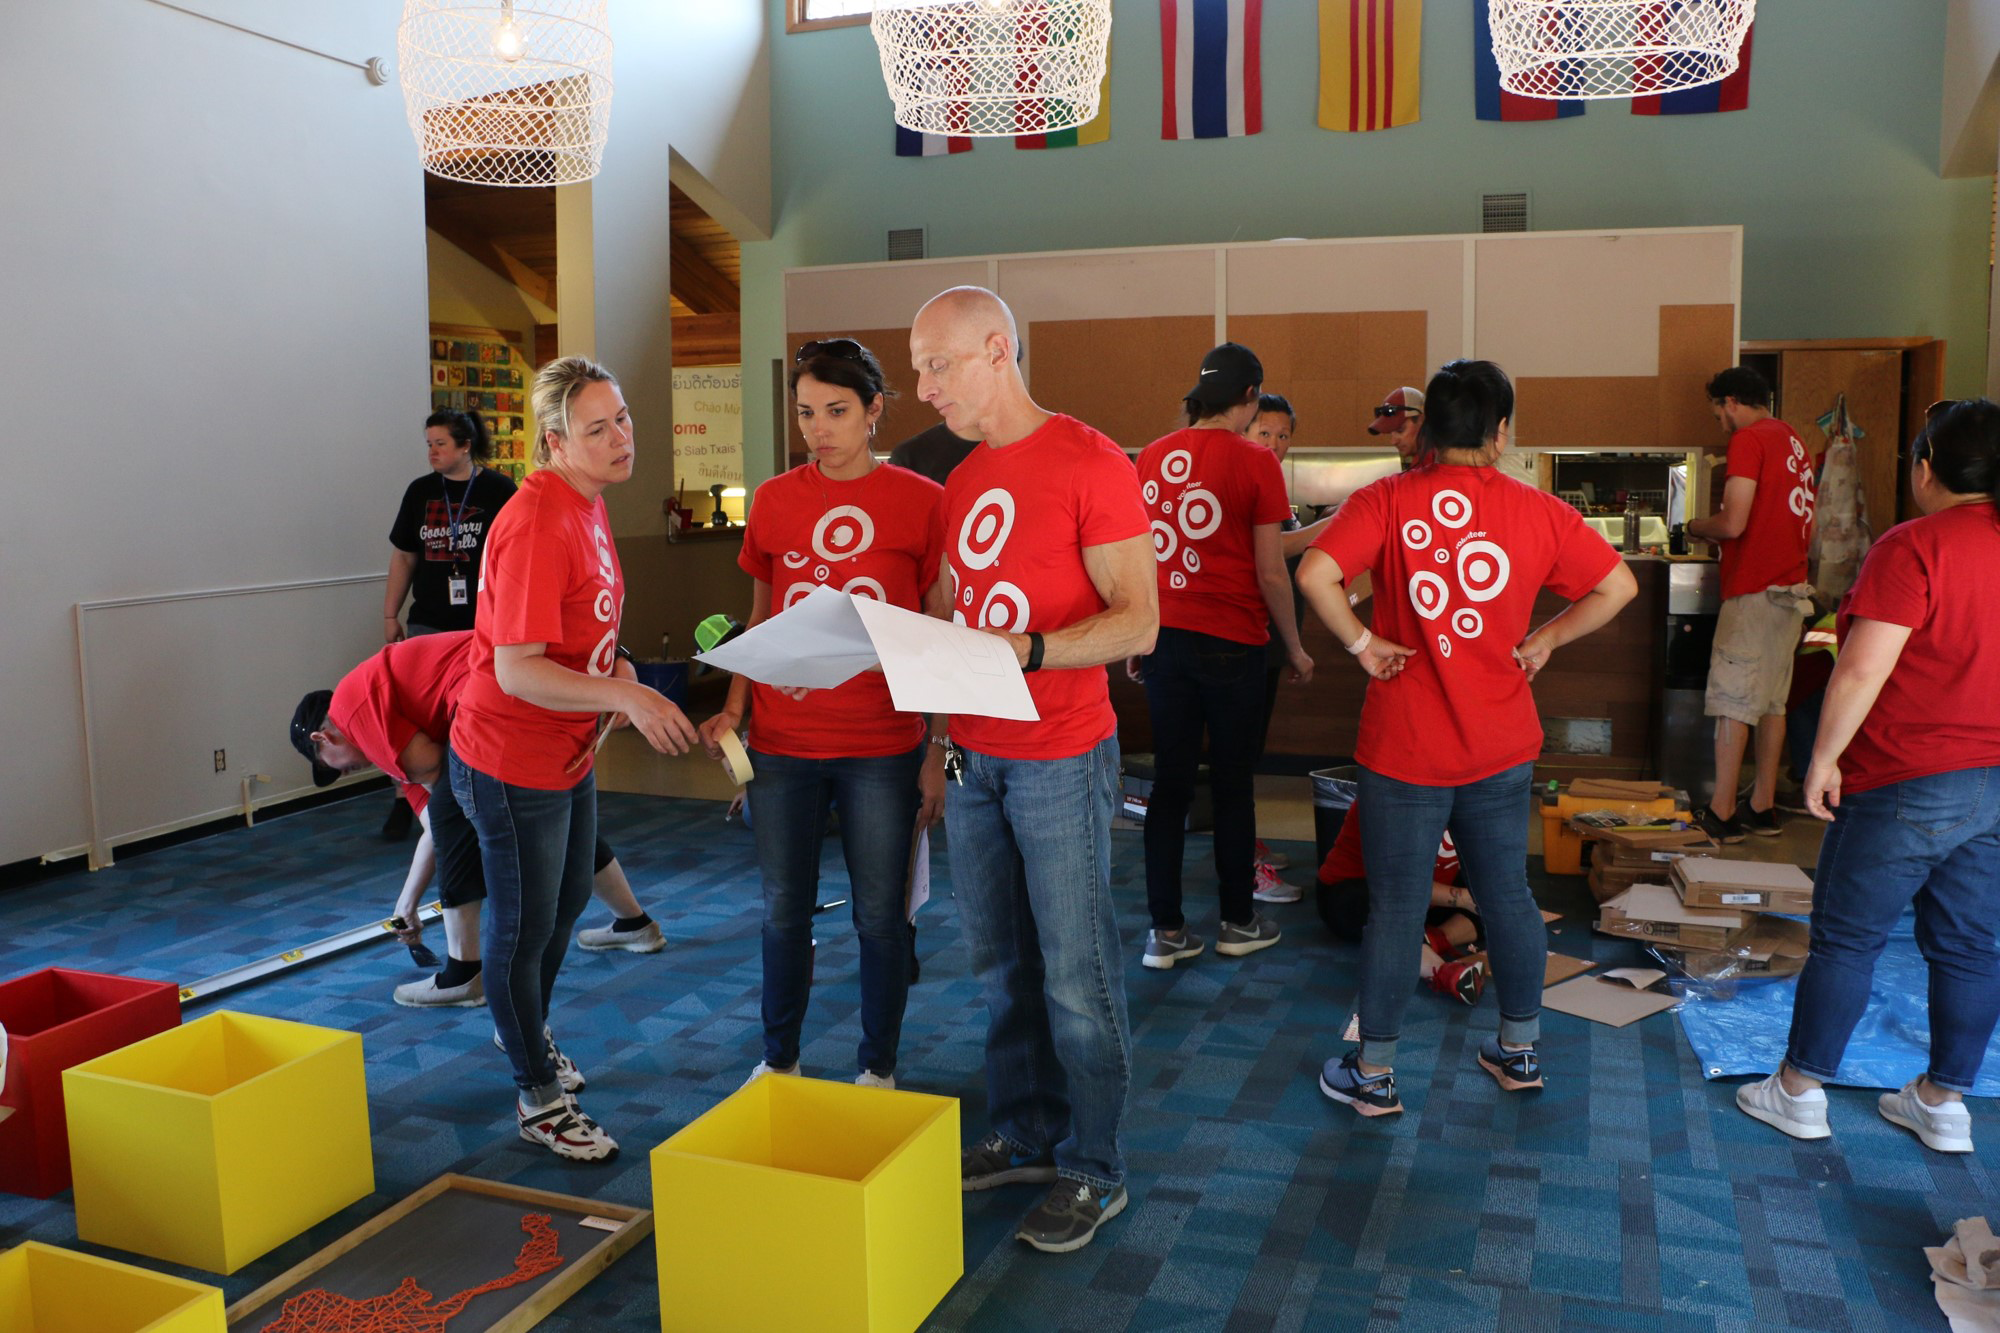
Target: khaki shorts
1756	642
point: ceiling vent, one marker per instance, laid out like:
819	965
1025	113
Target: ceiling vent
1503	212
906	243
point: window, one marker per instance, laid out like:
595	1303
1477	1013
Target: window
807	15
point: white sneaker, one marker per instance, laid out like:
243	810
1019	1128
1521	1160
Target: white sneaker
649	938
427	994
867	1079
1271	889
1802	1117
566	1131
1946	1128
567	1073
763	1069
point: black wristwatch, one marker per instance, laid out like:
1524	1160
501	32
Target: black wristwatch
623	652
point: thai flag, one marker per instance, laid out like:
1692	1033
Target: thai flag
1213	68
909	143
1490	100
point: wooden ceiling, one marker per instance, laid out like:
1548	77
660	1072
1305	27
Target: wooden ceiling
513	232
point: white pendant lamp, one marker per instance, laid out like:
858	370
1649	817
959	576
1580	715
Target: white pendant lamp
505	93
990	68
1585	49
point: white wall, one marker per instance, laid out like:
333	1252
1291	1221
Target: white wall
716	86
465	291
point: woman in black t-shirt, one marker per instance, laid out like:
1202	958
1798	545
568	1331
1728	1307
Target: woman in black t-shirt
441	528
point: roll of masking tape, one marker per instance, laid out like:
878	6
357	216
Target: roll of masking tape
735	759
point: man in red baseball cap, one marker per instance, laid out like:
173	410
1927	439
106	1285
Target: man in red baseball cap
1398	418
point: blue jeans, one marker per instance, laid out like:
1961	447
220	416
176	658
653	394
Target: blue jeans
1031	864
1196	681
878	819
536	850
1401	826
1935	839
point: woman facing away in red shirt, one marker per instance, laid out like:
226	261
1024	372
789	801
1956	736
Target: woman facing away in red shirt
1449	732
844	521
1906	766
545	682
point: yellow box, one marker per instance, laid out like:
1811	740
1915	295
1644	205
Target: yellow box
47	1290
1562	846
799	1203
216	1141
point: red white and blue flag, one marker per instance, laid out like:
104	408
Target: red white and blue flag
1730	94
1211	55
1489	99
909	143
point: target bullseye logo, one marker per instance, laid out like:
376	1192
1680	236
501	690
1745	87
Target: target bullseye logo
843	532
1165	541
965	595
1429	594
1192	559
797	592
1201	513
1151	490
1442	556
602	608
1482	570
865	587
1006	607
1451	509
987	526
1444	645
796	559
1177	580
1467	623
823	572
1416	534
1177	466
1800	502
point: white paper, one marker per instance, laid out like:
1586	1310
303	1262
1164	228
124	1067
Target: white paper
818	642
920	874
936	666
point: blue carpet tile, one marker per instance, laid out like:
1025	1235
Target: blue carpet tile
1628	1194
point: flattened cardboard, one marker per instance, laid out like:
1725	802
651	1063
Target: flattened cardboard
1655	912
1560	966
1609	1002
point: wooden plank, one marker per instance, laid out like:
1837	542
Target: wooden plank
699	285
708	340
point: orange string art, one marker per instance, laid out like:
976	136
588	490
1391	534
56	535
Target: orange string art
409	1308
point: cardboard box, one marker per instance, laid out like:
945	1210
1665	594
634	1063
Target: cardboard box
1758	886
801	1203
1655	912
1774	946
47	1290
215	1142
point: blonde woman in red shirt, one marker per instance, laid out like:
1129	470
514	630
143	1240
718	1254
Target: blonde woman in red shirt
545	680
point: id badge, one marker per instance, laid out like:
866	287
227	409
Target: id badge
455	586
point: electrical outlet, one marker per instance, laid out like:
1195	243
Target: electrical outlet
221	760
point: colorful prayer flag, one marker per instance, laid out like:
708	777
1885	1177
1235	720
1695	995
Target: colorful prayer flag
909	143
1096	130
1730	94
1212	68
1369	63
1492	101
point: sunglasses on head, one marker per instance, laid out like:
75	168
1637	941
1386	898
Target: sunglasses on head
1389	410
844	348
1939	408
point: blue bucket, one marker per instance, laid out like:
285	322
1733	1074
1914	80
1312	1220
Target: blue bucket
669	678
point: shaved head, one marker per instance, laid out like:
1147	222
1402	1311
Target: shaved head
965	346
967	316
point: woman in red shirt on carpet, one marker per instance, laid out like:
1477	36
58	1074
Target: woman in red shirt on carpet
845	521
1907	767
1449	732
545	680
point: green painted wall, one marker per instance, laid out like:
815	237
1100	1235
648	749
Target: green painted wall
1832	172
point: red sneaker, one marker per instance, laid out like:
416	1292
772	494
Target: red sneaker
1463	982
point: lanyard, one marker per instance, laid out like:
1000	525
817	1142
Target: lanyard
451	516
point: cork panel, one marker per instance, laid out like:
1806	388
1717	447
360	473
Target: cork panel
1697	339
1593	412
1126	377
1319	362
1686	421
902	417
1392	349
1296	348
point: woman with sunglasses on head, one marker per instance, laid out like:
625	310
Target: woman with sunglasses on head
546	680
1449	731
841	520
1906	766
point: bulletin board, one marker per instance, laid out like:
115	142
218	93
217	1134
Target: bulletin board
486	370
1126	377
1334	368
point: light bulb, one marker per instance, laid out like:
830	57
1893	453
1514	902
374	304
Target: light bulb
509	42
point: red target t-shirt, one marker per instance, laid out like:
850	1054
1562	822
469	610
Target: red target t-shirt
1206	491
551	576
879	536
1771	553
1017	521
1344	860
1458	555
410	687
1939	576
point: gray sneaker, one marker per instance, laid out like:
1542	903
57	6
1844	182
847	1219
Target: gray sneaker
1944	1128
1165	948
993	1161
427	994
646	939
1070	1216
1260	933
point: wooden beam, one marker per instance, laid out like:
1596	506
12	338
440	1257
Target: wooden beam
484	249
707	340
700	286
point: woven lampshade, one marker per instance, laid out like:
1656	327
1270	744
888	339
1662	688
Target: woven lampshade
1585	49
505	94
990	68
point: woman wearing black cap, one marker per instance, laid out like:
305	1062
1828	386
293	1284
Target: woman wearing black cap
1217	501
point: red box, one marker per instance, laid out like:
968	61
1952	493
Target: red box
56	1018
